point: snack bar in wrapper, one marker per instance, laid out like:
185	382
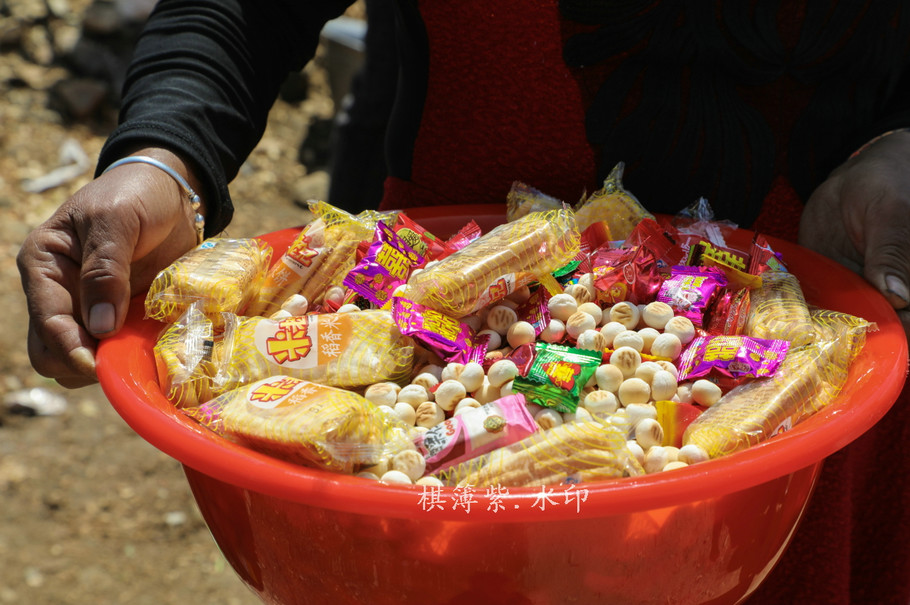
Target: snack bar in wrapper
495	265
809	378
779	311
305	423
347	350
569	453
224	274
185	359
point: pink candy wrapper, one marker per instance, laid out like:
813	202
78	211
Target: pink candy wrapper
690	290
732	356
449	338
386	265
476	432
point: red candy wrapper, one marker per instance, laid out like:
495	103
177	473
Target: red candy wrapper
449	338
465	236
763	257
690	290
728	313
386	265
732	357
655	239
476	432
625	274
535	310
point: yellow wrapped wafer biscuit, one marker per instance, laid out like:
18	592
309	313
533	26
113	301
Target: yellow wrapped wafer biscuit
778	310
305	423
184	356
347	350
612	204
570	452
808	379
488	269
223	274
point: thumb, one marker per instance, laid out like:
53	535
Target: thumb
104	282
886	257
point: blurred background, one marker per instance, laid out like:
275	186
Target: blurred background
89	512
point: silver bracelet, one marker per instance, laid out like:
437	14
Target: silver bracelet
192	196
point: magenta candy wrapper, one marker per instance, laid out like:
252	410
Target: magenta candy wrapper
733	356
386	265
690	290
451	339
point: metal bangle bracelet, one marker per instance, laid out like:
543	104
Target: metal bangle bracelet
192	196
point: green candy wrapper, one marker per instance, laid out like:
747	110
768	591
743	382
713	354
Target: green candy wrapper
557	376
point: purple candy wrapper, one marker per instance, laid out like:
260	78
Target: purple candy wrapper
732	356
386	265
449	338
690	290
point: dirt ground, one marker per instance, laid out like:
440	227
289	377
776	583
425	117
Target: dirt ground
89	512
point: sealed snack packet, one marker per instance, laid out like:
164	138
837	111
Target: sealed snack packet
223	274
809	378
449	338
557	376
690	291
347	350
304	423
569	453
614	204
475	432
386	265
523	199
779	311
185	359
490	268
732	356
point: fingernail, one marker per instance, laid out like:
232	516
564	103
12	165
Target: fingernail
101	318
83	360
897	292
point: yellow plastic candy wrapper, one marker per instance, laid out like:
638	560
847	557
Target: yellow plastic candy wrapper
779	311
809	378
612	204
223	274
491	267
347	350
523	199
304	423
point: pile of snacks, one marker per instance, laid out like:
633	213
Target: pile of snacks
565	345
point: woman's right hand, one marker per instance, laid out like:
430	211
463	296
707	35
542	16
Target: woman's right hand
105	244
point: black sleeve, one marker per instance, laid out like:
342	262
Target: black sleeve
204	76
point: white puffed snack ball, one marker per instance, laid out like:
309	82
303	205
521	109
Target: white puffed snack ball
395	477
349	308
580	293
636	451
334	296
627	360
682	328
471	376
647	370
684	393
579	322
487	392
579	415
636	412
601	403
591	340
414	394
451	371
673	465
296	305
656	314
429	414
610	330
649	433
608	377
663	386
506	389
666	345
475	322
494	339
520	295
692	454
647	338
429	481
547	418
705	392
655	459
406	413
625	313
629	338
500	318
409	462
449	393
280	314
502	372
382	393
427	380
562	306
634	390
592	309
668	366
520	333
432	368
554	331
468	403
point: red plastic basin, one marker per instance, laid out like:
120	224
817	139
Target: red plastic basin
708	533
